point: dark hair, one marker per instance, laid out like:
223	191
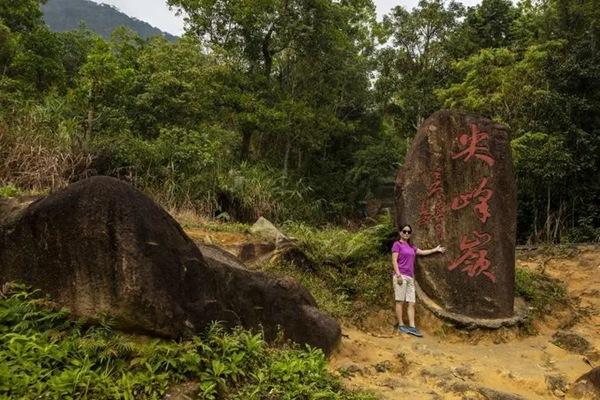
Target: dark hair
402	226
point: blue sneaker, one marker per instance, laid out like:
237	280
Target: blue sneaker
404	329
413	331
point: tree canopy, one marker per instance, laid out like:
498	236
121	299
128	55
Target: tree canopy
303	109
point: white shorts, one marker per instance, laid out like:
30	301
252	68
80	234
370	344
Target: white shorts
406	291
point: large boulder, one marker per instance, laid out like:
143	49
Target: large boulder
101	247
457	188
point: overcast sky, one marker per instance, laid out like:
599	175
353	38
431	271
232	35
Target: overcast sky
156	12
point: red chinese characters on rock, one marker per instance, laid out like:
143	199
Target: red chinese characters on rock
482	194
424	214
474	258
437	195
472	146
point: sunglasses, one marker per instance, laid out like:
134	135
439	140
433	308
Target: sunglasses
405	231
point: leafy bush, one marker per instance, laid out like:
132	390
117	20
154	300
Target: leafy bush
335	246
9	191
252	191
351	266
45	355
538	289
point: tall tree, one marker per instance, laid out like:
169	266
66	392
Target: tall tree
417	62
22	15
487	25
305	61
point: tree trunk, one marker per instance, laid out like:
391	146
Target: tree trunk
286	157
535	223
90	117
266	50
557	223
246	139
548	217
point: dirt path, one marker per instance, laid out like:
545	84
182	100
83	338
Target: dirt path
483	365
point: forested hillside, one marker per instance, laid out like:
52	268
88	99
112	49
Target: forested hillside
297	109
66	15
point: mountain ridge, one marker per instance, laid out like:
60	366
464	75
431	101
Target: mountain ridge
66	15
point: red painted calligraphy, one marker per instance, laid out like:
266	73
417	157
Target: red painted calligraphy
424	214
436	185
474	259
436	194
439	212
473	146
481	193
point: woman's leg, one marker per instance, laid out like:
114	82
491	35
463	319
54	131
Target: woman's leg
411	313
399	313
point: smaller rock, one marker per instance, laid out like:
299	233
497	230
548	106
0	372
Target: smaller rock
394	384
460	387
556	382
464	371
382	366
295	256
349	370
265	229
571	341
436	372
251	251
183	391
403	361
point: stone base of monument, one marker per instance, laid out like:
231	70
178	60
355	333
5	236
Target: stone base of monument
465	322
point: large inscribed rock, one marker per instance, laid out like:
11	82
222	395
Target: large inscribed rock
457	188
101	247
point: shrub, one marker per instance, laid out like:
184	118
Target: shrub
44	354
9	191
539	289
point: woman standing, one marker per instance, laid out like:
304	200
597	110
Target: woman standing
403	260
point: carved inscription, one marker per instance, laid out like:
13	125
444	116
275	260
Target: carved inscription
474	259
472	147
474	253
436	197
482	195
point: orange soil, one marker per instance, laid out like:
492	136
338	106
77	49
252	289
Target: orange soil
446	364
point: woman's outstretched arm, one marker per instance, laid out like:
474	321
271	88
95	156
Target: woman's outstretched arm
437	249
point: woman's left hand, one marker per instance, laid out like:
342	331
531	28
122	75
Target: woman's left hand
440	249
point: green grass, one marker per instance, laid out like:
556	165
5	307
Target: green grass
351	267
9	191
46	355
336	246
540	290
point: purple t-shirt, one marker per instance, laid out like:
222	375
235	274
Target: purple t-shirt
406	257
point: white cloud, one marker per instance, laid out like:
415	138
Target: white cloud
154	12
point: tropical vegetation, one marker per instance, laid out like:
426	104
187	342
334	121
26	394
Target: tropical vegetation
299	110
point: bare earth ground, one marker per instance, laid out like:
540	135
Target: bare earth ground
451	364
460	365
